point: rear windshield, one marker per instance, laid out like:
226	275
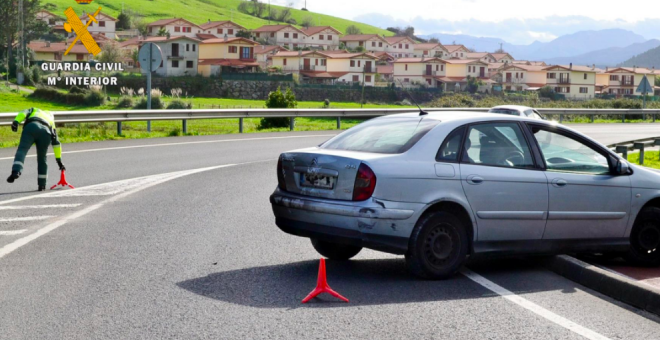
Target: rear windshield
505	111
391	135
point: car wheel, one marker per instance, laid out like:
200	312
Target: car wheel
335	251
645	239
438	246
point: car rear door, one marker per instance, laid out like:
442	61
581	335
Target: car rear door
506	190
587	201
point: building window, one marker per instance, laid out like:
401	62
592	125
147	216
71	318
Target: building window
295	45
373	44
284	61
175	63
272	34
352	63
323	62
329	37
320	36
230	31
187	47
552	76
177	29
407	46
585	77
442	67
406	80
189	64
406	67
286	35
367	79
258	35
614	78
101	23
150	29
584	89
295	35
380	44
359	63
220	31
356	78
233	49
400	46
80	57
437	67
426	53
193	45
316	62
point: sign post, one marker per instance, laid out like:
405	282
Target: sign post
150	57
645	87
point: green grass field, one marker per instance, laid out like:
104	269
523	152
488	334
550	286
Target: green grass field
650	159
199	11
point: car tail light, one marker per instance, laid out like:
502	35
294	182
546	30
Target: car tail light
365	183
280	175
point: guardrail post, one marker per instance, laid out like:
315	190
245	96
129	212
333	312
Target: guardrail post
640	147
338	123
653	117
119	128
185	126
240	125
623	150
148	126
623	118
561	118
292	123
592	118
656	143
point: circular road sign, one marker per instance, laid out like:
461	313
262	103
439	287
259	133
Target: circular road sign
150	57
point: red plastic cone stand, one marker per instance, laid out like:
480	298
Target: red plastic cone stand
62	182
322	286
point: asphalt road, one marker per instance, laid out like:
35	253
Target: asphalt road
174	238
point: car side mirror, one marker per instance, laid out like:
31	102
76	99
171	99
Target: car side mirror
622	167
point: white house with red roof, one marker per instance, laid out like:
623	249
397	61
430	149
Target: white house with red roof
325	37
180	55
572	81
457	51
221	29
175	27
430	50
328	67
483	56
626	80
51	19
263	54
47	51
400	47
105	25
521	77
370	42
288	36
416	72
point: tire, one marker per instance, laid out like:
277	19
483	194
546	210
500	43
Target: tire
335	251
438	246
645	239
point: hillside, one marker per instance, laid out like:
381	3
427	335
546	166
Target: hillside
650	58
200	11
610	56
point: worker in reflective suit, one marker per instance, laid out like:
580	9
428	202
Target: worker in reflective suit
39	129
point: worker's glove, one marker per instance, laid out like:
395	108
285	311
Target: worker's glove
14	126
59	163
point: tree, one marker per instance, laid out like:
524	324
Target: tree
657	81
434	40
473	84
123	21
244	34
244	7
307	21
111	53
258	8
278	100
162	32
9	27
135	54
284	15
352	29
273	14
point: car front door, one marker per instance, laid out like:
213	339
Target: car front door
507	192
587	201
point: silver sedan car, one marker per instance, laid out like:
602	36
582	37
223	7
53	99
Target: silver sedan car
438	188
517	110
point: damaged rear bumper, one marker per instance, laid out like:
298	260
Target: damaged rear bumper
374	224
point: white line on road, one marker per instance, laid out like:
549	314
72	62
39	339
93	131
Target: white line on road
149	182
174	144
26	218
531	306
11	232
44	206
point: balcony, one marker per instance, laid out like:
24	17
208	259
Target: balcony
312	68
175	57
430	73
368	69
627	83
559	81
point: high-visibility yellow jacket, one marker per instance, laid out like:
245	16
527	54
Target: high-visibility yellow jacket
45	118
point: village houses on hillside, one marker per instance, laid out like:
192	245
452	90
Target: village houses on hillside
324	55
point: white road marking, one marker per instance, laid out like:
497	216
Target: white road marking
26	218
44	206
531	306
11	232
147	182
174	144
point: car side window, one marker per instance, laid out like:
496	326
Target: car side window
450	148
497	144
565	154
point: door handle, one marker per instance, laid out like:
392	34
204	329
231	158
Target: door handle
558	182
474	179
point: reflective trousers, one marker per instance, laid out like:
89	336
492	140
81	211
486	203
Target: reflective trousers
34	133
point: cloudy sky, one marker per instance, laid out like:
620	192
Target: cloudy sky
516	21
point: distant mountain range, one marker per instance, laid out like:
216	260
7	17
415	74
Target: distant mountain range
603	48
650	58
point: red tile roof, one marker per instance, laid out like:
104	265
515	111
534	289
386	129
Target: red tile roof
638	70
361	37
396	40
418	60
572	68
427	46
228	40
464	61
165	39
212	24
205	36
228	62
164	22
316	29
530	68
323	74
454	48
274	28
385	69
499	56
263	49
101	15
44	47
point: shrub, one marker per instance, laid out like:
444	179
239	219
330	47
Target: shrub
278	100
75	98
178	104
94	98
326	103
125	102
76	89
47	93
156	103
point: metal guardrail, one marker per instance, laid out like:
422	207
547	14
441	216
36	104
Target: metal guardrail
120	116
640	144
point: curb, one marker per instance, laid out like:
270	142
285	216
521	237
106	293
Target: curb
615	286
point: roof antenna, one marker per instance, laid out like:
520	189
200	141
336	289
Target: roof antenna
421	112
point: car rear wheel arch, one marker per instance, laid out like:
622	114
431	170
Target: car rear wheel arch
457	210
